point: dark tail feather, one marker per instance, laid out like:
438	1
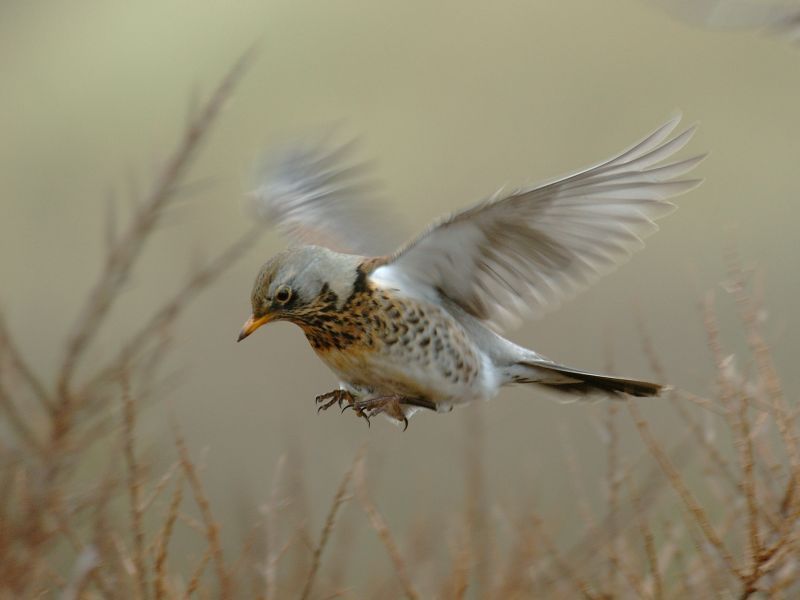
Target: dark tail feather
572	381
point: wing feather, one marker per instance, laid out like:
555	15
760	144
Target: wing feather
315	195
526	252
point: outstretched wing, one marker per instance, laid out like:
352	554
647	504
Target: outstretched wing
528	251
316	195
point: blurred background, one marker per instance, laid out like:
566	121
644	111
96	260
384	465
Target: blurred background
451	101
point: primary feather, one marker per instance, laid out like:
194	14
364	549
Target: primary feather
528	251
315	195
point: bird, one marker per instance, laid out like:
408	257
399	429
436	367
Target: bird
422	327
777	18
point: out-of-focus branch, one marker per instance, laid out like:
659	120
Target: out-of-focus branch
339	499
210	525
692	506
378	523
171	309
20	365
18	422
128	246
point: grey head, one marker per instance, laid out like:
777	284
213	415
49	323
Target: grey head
290	283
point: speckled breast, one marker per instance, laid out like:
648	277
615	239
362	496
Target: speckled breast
393	345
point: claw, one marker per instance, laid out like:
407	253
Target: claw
322	397
368	408
334	397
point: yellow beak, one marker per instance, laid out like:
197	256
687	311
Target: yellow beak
252	324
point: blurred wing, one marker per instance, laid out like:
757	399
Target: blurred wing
779	17
313	196
527	252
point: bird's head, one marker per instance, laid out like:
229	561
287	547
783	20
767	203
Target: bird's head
292	284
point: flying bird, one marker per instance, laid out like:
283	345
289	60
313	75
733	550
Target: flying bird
780	18
420	328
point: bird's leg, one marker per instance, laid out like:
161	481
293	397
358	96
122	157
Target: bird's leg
391	405
339	397
335	397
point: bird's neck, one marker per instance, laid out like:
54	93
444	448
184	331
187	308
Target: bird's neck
331	325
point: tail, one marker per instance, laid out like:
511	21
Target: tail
572	381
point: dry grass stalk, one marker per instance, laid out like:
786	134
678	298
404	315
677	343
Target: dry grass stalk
570	575
170	310
124	251
211	527
9	350
648	541
613	482
162	544
272	553
54	438
18	422
477	500
457	584
720	463
134	488
739	424
749	314
339	499
197	574
576	480
692	505
378	523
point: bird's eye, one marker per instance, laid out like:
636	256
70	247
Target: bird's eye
283	295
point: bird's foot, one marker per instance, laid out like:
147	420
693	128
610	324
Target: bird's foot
391	406
335	397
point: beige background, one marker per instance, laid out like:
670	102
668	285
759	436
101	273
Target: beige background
453	100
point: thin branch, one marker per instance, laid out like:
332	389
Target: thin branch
647	538
272	552
211	526
691	504
564	566
339	499
159	585
20	365
123	255
134	487
18	422
766	369
194	582
170	310
379	525
613	482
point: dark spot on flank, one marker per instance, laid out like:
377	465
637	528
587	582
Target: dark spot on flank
360	284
